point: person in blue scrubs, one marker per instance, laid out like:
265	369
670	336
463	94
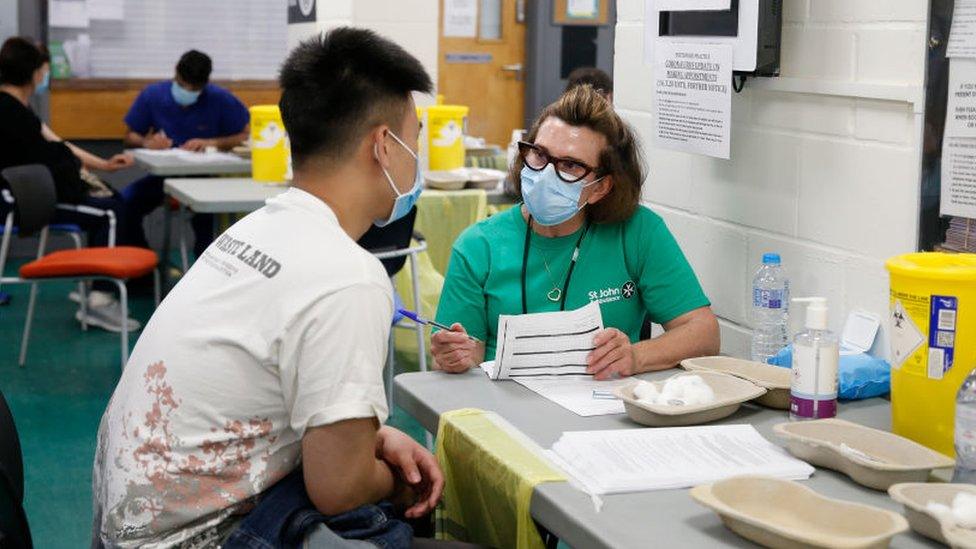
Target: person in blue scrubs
186	112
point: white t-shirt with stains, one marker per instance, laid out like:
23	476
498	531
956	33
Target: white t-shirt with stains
280	326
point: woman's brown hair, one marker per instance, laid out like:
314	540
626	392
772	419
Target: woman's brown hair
621	159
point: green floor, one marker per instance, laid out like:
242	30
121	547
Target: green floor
57	401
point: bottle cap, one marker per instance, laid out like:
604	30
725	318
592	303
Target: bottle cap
771	259
816	312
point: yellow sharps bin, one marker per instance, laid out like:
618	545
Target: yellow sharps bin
445	130
932	326
270	153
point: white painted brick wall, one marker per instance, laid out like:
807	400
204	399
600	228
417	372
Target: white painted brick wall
830	182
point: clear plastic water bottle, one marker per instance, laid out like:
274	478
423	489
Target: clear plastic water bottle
965	431
770	309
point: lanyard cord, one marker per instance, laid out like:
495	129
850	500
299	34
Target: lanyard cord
569	273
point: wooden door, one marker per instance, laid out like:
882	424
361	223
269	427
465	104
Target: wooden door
486	72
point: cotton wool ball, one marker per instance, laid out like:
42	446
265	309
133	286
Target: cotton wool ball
941	511
645	391
685	391
698	393
964	510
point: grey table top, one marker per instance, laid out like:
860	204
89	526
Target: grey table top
167	166
221	194
667	518
240	194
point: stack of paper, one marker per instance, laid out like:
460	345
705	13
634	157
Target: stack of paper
546	343
961	235
189	156
635	460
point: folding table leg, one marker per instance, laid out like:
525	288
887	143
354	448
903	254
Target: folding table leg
27	324
83	307
164	259
390	365
156	291
124	302
415	279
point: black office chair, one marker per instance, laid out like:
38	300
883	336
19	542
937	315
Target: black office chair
14	530
395	236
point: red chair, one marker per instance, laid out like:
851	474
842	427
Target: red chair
35	204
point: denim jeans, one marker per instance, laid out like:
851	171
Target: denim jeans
285	516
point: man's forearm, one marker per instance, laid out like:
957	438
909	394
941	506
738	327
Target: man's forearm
133	139
230	141
88	160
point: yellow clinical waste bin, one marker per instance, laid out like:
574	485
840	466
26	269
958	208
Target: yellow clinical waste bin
270	154
445	130
932	327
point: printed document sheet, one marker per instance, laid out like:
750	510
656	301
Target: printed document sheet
636	460
555	344
581	395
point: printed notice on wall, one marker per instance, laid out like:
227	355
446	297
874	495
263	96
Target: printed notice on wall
461	18
961	110
962	37
693	5
958	177
693	97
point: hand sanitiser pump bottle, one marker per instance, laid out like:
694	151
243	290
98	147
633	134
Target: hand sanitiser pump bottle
813	393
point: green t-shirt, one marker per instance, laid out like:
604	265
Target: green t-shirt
634	269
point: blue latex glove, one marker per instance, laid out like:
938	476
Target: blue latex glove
397	305
861	375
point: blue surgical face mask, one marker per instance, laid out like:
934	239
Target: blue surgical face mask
44	85
551	200
183	96
404	202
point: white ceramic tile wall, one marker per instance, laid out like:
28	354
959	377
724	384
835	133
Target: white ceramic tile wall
829	182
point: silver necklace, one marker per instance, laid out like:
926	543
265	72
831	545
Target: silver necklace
556	293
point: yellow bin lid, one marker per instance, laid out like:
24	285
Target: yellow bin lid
934	265
447	111
271	110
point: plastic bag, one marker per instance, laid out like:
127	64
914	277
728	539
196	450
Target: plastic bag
860	374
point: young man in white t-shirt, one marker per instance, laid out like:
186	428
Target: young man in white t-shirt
268	354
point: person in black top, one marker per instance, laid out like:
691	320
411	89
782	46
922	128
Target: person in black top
25	139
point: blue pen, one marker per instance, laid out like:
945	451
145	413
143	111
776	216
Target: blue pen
420	320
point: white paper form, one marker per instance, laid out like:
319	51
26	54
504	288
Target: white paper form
582	8
693	97
961	108
581	395
460	18
634	460
693	5
962	36
546	343
958	177
109	10
69	14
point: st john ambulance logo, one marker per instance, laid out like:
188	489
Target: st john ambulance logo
629	289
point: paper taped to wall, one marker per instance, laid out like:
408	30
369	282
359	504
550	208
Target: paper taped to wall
962	37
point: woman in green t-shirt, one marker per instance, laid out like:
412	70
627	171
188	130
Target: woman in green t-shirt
580	236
